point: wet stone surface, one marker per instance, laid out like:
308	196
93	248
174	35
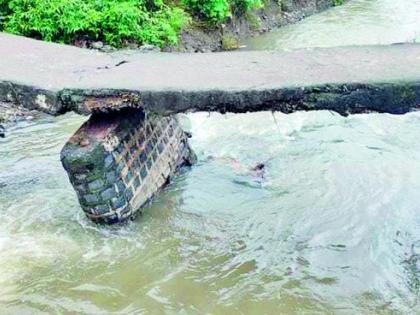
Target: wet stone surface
129	157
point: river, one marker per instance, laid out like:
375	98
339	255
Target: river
333	226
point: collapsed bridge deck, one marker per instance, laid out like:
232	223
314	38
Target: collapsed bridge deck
58	78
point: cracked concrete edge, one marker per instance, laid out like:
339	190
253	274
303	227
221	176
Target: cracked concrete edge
345	98
394	98
31	97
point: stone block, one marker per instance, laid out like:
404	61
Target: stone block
143	173
96	184
101	209
149	163
93	175
80	177
118	202
142	157
128	176
154	155
120	166
149	148
136	182
108	194
109	161
81	189
129	194
91	199
111	177
120	186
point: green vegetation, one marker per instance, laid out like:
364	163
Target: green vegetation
243	6
338	2
213	11
117	22
216	11
110	20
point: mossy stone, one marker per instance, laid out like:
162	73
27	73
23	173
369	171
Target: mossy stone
230	42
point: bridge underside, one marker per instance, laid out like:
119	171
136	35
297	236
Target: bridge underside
132	144
345	99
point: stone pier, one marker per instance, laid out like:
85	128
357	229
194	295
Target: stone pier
117	163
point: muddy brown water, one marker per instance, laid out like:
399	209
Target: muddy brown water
331	226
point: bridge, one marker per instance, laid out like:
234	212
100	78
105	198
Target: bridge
132	144
57	78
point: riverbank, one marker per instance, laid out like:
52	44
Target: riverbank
184	26
199	37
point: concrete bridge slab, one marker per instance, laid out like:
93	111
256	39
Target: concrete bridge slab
58	78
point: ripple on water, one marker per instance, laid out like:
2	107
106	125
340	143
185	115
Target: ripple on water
358	22
333	225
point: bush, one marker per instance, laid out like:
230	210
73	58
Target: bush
52	20
4	11
214	11
113	21
243	6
